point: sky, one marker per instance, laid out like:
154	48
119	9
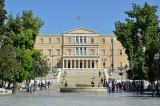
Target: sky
60	15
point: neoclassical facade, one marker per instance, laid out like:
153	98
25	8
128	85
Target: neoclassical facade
81	49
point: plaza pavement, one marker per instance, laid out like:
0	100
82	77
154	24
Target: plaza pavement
53	97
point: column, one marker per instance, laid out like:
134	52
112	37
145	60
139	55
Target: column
86	63
82	63
94	63
70	63
90	63
63	63
78	63
74	63
66	63
98	65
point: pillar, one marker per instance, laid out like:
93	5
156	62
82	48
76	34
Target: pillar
98	65
94	63
70	63
78	63
63	63
86	63
90	63
66	63
82	63
74	63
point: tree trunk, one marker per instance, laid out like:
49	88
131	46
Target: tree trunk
16	86
8	85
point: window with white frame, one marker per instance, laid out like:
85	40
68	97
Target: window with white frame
49	40
77	50
80	50
58	40
111	52
85	39
69	40
41	40
81	39
120	52
92	40
77	39
58	51
120	64
103	40
103	51
41	52
85	50
49	52
92	51
69	52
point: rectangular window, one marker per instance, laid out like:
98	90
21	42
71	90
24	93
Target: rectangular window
120	64
85	39
49	64
92	51
103	40
49	52
41	52
41	40
80	50
111	52
77	51
69	52
81	39
69	40
58	40
120	52
58	52
103	52
111	40
92	40
77	39
49	40
58	65
85	50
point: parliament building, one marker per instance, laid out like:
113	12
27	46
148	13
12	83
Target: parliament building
81	48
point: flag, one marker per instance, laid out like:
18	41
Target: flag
78	18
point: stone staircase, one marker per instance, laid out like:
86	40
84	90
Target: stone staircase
81	76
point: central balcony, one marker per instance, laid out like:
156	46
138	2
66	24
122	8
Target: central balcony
81	55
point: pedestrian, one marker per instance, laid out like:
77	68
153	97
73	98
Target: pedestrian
109	86
137	87
65	73
113	87
104	79
153	88
35	87
101	80
99	73
117	86
92	84
48	84
66	84
30	87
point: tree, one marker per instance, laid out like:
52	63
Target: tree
21	32
140	38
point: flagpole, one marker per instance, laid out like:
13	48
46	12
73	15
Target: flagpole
80	22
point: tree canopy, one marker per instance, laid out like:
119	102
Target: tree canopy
140	38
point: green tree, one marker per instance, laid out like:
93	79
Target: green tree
21	32
140	38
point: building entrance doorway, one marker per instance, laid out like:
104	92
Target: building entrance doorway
92	64
69	66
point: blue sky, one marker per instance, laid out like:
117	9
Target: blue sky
60	15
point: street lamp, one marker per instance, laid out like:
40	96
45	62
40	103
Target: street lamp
156	57
14	92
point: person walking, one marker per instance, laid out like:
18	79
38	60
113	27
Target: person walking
153	89
137	87
30	86
65	73
48	84
99	84
66	84
35	87
109	86
113	87
101	80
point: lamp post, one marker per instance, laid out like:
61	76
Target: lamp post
40	67
156	57
14	92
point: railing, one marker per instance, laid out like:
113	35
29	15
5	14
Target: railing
81	55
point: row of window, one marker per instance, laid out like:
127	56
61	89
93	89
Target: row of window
81	50
79	39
